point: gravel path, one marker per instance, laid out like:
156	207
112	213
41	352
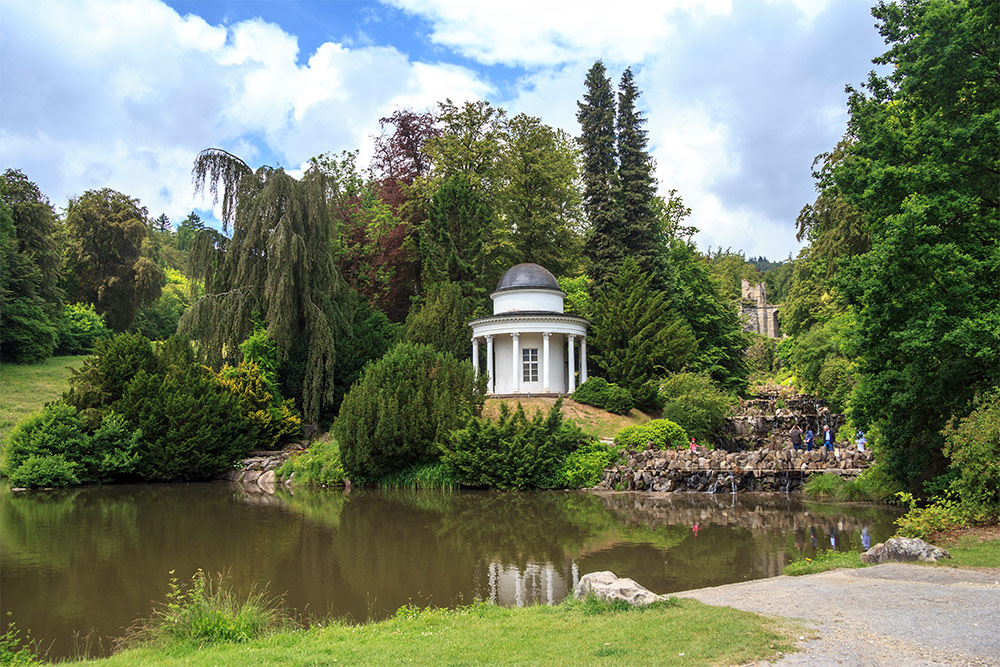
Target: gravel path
891	614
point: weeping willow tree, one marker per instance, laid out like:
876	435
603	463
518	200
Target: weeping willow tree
274	267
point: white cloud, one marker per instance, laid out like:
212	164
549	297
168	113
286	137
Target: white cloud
123	94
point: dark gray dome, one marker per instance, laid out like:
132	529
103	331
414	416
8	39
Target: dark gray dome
527	276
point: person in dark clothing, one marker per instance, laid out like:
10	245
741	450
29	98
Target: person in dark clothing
796	435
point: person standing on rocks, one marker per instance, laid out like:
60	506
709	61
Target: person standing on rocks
796	435
809	438
828	437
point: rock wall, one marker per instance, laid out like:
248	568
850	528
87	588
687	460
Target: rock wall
763	421
258	470
719	471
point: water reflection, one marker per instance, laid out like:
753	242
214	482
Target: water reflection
96	557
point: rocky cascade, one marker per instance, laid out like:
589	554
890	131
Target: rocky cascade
258	469
763	420
719	471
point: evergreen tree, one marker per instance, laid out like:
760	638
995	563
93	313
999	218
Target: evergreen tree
276	265
606	244
442	320
29	270
105	259
636	338
635	173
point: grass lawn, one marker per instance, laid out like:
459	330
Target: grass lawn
592	420
25	388
969	547
673	632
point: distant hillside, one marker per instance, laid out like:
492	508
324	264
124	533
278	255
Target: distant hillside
593	420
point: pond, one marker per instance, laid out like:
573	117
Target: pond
78	566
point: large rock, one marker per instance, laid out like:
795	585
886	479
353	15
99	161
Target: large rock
903	549
607	587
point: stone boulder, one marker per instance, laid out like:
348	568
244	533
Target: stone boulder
607	587
903	549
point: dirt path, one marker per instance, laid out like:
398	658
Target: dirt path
890	614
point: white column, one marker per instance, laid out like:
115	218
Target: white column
583	359
475	356
515	364
490	384
571	379
545	361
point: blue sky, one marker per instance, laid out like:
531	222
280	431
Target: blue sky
740	95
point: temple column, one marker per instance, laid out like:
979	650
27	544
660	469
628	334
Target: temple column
490	383
545	361
571	379
583	359
515	364
475	356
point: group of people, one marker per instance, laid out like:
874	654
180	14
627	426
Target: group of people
829	437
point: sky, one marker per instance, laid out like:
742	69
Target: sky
739	95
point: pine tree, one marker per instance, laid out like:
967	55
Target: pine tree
635	173
277	266
596	115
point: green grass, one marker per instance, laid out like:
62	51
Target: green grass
971	551
966	551
573	633
26	388
825	560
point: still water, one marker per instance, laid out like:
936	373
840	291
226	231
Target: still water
89	561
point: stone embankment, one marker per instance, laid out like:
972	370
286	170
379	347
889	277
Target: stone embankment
258	470
719	471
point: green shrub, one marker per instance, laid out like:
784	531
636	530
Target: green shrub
259	397
56	430
602	394
16	649
696	403
826	485
584	466
400	411
104	375
115	448
514	452
44	471
940	515
206	611
319	466
660	433
79	327
193	429
973	445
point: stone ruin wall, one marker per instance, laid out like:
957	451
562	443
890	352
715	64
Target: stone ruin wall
757	314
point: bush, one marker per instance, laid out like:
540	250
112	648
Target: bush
941	515
79	327
27	335
973	445
400	411
104	375
193	429
115	448
660	433
695	403
206	611
56	430
514	452
319	466
424	476
602	394
259	397
44	471
584	466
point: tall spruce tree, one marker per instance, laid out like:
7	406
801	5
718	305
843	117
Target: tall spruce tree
596	114
635	173
276	266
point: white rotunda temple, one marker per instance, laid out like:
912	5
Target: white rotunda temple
531	344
